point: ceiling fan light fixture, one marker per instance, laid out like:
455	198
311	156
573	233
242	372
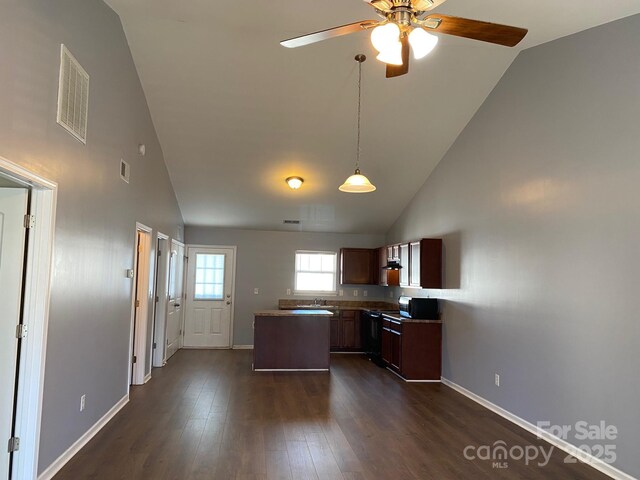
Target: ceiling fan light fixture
294	182
357	183
385	36
422	42
392	55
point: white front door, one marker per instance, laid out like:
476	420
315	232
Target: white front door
13	207
209	297
176	297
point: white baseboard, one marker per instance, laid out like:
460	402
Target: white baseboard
243	347
147	377
558	442
62	460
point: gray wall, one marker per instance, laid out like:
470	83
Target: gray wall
88	339
538	205
266	260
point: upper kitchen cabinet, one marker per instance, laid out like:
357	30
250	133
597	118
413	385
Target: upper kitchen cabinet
426	263
359	266
404	262
388	278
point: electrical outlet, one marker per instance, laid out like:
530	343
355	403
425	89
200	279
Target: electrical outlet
256	291
497	380
288	291
355	293
365	293
390	294
83	399
341	293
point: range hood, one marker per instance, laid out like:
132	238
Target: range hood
392	265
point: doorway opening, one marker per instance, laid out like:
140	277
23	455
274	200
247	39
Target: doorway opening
143	282
27	221
175	307
163	256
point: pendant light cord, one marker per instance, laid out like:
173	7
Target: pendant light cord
359	114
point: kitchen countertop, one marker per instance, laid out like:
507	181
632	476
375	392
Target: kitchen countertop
399	318
292	313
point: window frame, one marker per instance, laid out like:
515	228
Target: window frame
327	293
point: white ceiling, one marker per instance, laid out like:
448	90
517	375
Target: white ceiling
236	113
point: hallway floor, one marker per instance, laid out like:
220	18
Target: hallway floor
206	415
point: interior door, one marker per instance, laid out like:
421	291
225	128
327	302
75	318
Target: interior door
13	207
161	302
209	297
176	297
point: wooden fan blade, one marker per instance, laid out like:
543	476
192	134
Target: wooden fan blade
329	33
399	70
477	30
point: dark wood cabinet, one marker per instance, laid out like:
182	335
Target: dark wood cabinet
359	266
345	331
430	263
413	350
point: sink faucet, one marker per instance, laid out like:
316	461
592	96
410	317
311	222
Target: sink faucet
317	302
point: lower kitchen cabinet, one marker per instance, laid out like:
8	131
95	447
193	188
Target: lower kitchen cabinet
412	349
345	331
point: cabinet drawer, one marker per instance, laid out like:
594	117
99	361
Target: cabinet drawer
347	313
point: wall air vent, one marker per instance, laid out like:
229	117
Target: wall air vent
125	170
73	96
291	222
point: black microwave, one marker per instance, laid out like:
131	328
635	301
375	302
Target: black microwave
422	308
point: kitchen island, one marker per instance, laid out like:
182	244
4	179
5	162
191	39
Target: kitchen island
291	340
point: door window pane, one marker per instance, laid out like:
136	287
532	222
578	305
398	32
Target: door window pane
209	277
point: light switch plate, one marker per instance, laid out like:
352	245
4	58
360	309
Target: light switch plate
256	291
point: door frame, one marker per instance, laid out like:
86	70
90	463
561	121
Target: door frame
38	273
183	298
160	331
233	285
136	373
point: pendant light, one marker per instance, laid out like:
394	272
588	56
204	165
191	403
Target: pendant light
358	183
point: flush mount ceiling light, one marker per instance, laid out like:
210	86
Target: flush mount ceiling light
358	183
294	182
405	27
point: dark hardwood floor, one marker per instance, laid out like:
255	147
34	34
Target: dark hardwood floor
206	415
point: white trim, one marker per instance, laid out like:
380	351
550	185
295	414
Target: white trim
36	315
62	460
147	377
562	444
137	377
242	347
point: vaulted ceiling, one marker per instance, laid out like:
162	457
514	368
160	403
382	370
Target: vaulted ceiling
236	113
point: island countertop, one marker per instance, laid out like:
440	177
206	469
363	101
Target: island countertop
292	313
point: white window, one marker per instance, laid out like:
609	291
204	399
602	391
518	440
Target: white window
209	277
316	272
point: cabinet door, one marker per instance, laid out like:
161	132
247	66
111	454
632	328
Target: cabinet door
396	350
383	254
335	341
357	266
414	264
348	321
395	252
387	345
404	261
431	263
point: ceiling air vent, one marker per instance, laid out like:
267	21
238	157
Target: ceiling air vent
291	222
125	170
73	96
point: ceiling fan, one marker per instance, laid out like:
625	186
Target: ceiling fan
405	27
